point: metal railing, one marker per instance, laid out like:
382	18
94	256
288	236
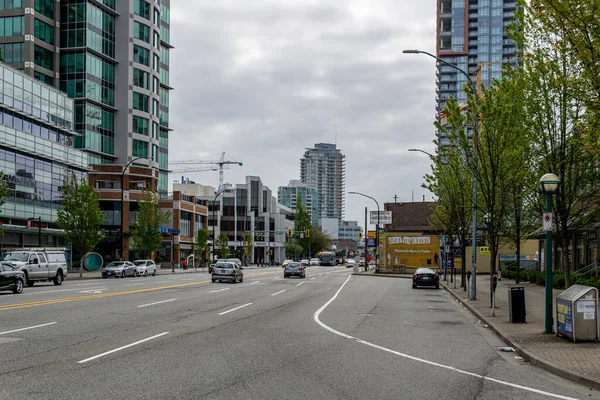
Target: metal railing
588	272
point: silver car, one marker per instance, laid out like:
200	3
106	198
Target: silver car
145	267
294	268
226	271
119	269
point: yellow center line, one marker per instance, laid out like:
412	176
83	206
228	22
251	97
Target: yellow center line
102	295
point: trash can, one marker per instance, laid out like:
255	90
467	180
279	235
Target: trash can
516	304
577	313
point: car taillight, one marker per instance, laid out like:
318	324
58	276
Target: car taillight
415	276
436	276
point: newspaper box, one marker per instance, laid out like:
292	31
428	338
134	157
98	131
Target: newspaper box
577	313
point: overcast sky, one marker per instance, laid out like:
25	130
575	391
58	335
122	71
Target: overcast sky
262	80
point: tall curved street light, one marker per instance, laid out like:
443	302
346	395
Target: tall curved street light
123	200
475	157
423	151
376	232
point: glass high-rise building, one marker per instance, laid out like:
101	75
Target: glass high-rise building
323	169
288	196
472	34
112	58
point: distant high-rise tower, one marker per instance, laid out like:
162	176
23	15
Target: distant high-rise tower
322	168
472	35
288	196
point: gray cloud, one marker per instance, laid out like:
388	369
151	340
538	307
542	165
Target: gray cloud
264	80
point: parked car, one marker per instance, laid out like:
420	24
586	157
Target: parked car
304	263
294	269
39	265
425	277
350	263
119	269
227	271
314	262
145	267
11	278
285	262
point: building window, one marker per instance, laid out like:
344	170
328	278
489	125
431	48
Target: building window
140	78
140	101
155	62
142	8
139	149
155	39
43	31
155	107
43	77
12	52
45	7
11	4
140	125
141	55
12	26
141	31
43	58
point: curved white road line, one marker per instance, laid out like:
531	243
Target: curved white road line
421	360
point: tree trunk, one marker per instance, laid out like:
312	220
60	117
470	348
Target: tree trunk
518	251
565	257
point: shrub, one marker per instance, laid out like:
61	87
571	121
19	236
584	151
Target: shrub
558	280
158	259
509	274
107	259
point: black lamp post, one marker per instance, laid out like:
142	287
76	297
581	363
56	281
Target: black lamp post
376	231
123	201
39	219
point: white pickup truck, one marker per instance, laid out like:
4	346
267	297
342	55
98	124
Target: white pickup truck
39	264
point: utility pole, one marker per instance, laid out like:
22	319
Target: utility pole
366	235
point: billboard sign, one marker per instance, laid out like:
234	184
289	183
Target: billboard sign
385	217
413	251
371	234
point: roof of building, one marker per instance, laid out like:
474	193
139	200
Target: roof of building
408	217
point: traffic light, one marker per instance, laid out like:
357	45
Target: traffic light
307	234
360	234
289	232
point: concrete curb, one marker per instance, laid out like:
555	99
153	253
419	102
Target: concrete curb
527	354
383	275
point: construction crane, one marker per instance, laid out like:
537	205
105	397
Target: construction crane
219	165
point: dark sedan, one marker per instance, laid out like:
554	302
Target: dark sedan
11	278
425	277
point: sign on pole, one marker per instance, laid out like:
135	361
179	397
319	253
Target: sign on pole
385	217
547	222
371	242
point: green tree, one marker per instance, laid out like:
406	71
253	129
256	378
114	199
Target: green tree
81	217
558	116
248	240
302	223
223	245
201	242
292	250
319	240
144	231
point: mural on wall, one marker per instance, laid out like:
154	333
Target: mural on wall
413	251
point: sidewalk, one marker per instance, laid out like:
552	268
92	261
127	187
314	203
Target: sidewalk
74	274
579	362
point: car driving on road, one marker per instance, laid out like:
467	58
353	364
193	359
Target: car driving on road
227	271
425	277
350	263
294	269
314	262
11	278
119	269
145	267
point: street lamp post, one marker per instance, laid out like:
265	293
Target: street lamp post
123	202
475	157
215	223
549	185
422	151
376	230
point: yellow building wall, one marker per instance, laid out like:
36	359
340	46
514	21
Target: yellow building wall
528	248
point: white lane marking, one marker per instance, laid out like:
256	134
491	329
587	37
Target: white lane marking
276	278
320	275
275	294
29	327
218	290
163	281
122	348
95	291
133	284
85	284
312	279
188	279
421	360
57	291
255	282
157	302
233	309
300	284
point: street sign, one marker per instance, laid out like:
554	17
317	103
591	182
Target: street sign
484	250
371	234
547	222
385	217
371	242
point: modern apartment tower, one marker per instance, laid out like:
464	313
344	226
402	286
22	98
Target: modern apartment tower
288	196
112	58
471	34
323	169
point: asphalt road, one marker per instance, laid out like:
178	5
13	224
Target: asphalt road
329	336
